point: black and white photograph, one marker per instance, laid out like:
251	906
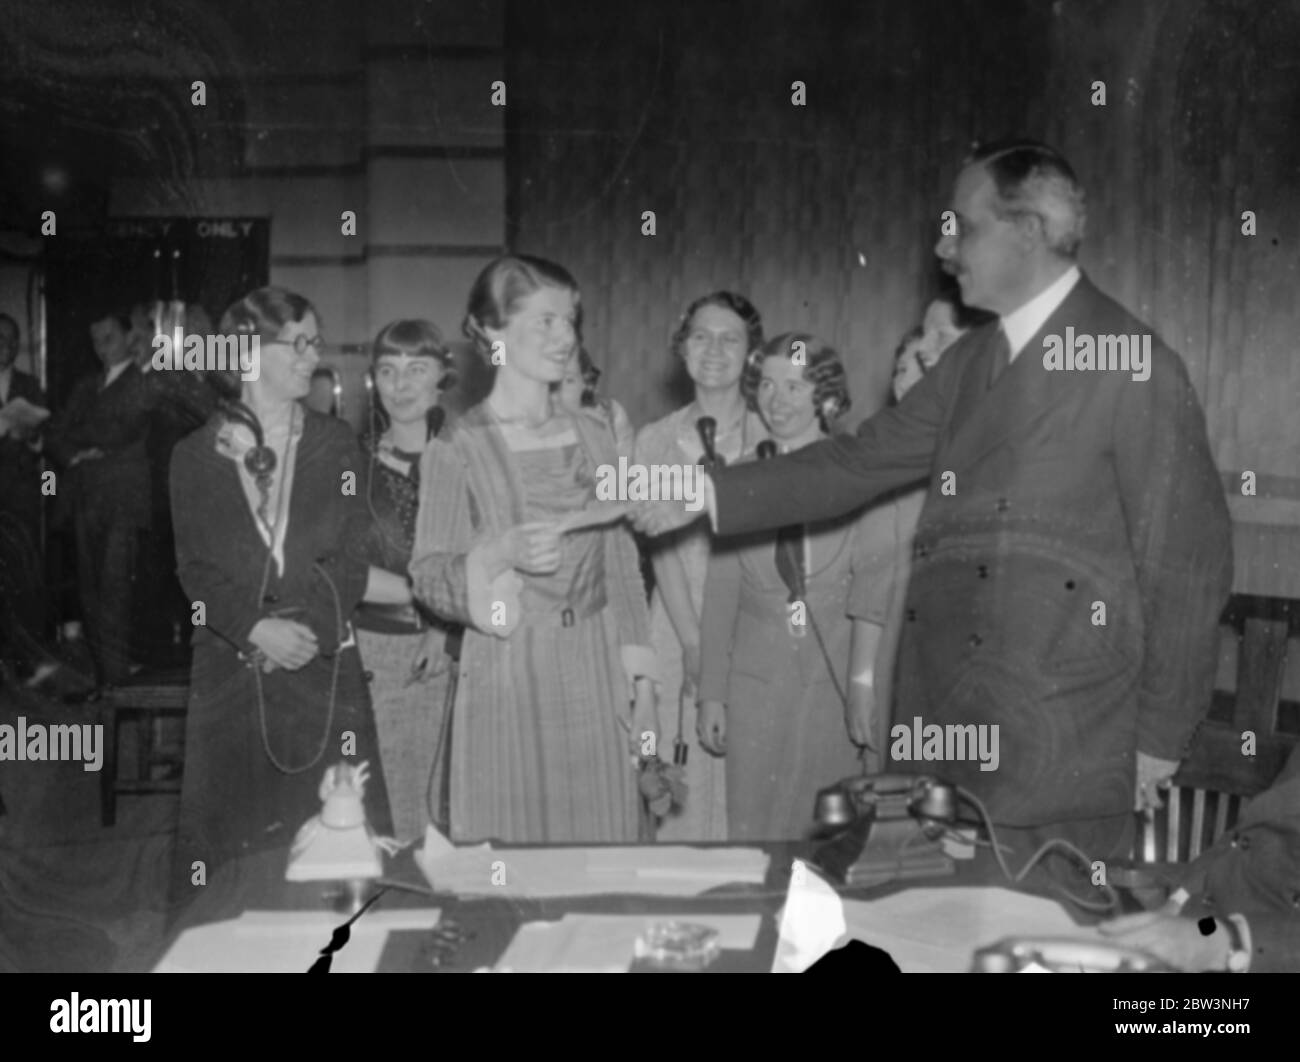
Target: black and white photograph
551	486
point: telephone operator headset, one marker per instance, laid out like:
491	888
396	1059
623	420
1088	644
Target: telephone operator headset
261	462
434	419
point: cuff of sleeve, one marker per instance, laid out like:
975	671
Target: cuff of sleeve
493	603
639	661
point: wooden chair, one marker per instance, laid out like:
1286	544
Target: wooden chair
1216	779
146	697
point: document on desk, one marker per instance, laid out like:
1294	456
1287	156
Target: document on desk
938	930
584	943
289	941
651	870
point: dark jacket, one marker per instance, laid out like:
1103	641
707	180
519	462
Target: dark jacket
1070	492
114	419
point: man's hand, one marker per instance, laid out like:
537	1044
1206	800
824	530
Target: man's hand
286	643
1179	941
1152	775
658	518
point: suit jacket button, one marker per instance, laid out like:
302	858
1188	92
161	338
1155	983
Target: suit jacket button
911	614
976	641
983	571
922	552
369	676
1003	505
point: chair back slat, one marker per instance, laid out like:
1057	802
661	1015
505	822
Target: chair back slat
1198	822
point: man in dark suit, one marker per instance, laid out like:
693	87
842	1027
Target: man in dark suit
1074	550
99	439
20	509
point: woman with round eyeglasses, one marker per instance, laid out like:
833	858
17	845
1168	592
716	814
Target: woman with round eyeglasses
403	647
270	547
715	336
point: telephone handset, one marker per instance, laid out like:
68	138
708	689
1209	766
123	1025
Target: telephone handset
1063	955
878	827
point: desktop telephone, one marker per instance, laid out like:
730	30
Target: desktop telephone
878	827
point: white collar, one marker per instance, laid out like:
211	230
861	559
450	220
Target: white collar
117	371
1021	325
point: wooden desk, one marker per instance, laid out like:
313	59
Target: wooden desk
257	883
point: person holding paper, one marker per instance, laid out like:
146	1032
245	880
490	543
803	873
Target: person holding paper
556	682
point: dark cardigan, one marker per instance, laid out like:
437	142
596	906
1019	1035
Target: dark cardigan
234	798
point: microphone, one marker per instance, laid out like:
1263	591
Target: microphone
435	419
708	429
766	449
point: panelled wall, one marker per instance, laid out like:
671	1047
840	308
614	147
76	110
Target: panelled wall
384	109
826	215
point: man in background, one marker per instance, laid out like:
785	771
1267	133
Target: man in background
98	439
23	605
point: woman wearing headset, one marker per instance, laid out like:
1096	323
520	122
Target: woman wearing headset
403	646
775	658
270	530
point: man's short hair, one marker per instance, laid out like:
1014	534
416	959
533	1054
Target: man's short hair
1032	178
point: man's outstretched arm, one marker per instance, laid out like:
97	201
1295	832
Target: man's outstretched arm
831	478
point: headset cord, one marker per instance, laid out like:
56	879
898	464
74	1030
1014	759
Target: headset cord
255	663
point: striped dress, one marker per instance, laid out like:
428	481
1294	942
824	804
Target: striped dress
542	713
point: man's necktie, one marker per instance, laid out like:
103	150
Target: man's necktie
1001	355
789	560
789	543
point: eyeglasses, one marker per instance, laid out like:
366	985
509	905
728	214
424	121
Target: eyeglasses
301	344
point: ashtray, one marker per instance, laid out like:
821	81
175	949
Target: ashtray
678	946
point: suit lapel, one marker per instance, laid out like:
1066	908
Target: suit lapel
1023	395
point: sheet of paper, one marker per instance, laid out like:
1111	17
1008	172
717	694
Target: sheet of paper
289	941
582	943
939	930
656	870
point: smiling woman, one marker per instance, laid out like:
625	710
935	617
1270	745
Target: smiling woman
270	549
556	671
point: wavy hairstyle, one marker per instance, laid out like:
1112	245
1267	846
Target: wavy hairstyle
822	368
727	300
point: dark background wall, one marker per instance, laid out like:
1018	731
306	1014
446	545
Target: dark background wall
826	215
